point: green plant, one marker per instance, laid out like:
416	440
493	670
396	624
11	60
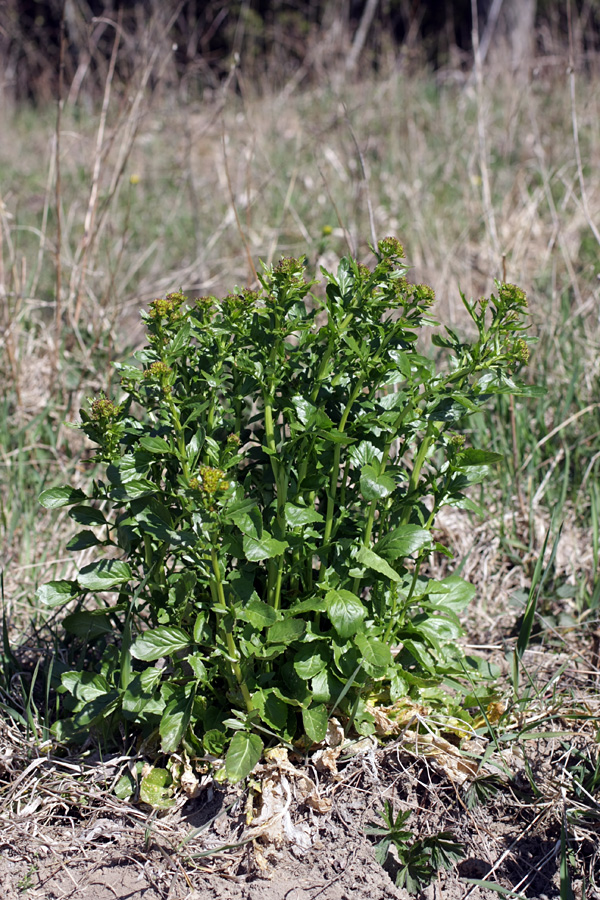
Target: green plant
418	860
28	880
273	475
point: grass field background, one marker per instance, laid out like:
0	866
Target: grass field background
479	180
482	176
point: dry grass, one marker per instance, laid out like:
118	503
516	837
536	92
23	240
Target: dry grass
156	191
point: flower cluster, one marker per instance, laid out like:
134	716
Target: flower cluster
167	308
206	306
103	410
456	441
209	482
103	425
239	302
288	265
512	296
521	351
158	371
391	248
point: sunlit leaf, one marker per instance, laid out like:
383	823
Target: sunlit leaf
54	498
315	720
161	641
104	575
243	754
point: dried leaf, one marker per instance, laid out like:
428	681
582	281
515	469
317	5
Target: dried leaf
319	804
326	760
335	733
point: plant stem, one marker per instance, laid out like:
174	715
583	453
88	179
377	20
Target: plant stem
335	469
179	437
275	566
416	472
231	647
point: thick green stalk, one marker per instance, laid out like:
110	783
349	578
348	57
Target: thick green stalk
327	356
413	584
179	437
382	467
275	566
231	647
335	468
413	482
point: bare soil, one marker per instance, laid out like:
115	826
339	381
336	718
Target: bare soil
53	850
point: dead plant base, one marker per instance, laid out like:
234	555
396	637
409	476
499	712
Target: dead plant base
62	837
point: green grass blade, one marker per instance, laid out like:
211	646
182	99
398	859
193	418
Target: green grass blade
539	577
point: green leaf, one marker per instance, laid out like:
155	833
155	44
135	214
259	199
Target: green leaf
248	519
452	593
214	742
311	659
336	437
149	678
374	486
257	612
130	467
417	650
472	457
311	604
97	710
156	789
273	710
103	575
286	631
155	526
365	453
375	655
124	787
310	415
54	593
372	561
325	687
437	628
82	541
175	719
202	631
161	641
89	623
54	498
85	686
297	516
196	664
403	541
346	612
449	409
87	515
263	548
140	700
155	445
315	720
243	754
179	342
134	489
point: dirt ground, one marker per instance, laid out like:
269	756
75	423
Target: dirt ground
52	849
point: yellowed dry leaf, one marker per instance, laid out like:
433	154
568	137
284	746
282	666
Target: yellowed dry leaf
392	719
319	804
335	733
278	755
444	755
326	760
260	859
